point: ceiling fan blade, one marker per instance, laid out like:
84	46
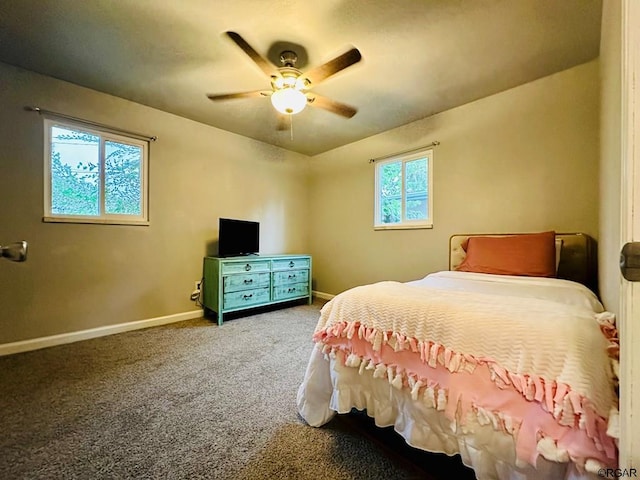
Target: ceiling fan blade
332	106
231	96
322	72
264	64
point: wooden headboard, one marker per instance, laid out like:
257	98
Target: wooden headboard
578	257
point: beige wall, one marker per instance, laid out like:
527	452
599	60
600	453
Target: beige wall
523	160
611	154
85	276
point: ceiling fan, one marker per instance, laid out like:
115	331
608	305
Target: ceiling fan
290	88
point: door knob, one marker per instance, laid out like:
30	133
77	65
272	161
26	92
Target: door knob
630	261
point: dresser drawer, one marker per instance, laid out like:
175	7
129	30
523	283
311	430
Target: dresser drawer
244	281
245	298
290	291
293	276
290	263
246	267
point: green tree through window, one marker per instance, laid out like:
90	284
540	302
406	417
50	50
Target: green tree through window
122	178
391	192
75	184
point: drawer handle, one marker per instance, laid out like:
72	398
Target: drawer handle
246	297
247	267
292	264
292	276
291	290
249	281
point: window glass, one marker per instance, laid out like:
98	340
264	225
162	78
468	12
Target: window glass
416	189
75	172
391	192
123	165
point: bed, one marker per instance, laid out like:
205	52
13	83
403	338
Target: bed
507	359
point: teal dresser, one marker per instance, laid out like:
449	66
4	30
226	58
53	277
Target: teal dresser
237	283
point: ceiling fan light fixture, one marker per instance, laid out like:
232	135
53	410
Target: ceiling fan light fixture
289	100
288	77
301	83
278	83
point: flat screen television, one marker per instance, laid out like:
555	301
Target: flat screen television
238	237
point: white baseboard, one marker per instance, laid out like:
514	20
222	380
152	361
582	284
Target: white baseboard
53	340
322	295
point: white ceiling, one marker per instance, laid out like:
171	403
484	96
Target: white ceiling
420	57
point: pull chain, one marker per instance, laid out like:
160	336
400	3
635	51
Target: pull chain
291	125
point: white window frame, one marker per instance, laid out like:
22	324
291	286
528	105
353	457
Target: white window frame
105	135
404	223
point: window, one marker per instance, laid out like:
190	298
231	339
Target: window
403	191
94	176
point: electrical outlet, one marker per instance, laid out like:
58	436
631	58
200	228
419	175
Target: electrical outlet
195	295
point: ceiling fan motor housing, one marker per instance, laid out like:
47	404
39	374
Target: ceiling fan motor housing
289	77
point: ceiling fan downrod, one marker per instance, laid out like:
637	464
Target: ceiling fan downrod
288	58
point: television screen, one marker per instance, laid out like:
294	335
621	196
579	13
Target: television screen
238	237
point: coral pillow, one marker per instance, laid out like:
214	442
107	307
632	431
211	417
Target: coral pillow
532	255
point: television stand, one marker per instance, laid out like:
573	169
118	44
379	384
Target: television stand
233	284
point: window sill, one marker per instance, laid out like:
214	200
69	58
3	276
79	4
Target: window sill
100	221
405	226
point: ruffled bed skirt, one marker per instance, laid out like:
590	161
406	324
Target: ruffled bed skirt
330	387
